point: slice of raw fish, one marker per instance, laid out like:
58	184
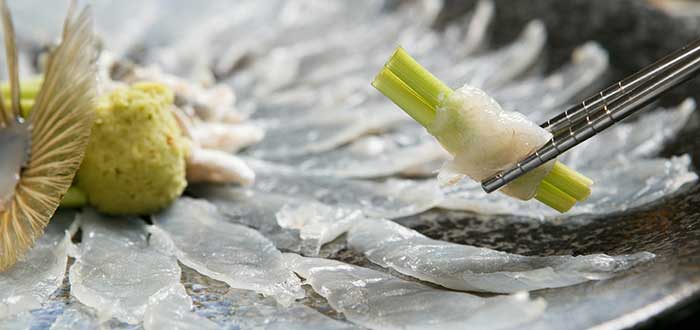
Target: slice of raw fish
405	147
322	133
171	308
543	97
618	162
201	238
628	141
391	198
30	282
470	268
618	187
316	222
77	316
21	321
245	309
116	269
494	69
253	209
380	301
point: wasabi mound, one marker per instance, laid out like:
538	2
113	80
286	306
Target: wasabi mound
135	160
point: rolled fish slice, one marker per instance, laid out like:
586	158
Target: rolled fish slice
378	300
117	270
30	282
470	268
195	232
619	159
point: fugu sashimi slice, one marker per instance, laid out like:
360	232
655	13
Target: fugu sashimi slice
77	317
197	234
116	269
403	148
391	198
470	268
252	209
171	308
629	141
322	134
316	222
496	68
21	321
30	282
380	301
540	98
619	186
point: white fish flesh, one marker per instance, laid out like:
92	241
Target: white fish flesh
317	223
484	139
619	162
199	236
391	198
405	147
378	300
470	268
30	282
116	269
171	308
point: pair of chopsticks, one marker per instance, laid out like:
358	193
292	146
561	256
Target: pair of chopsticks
602	110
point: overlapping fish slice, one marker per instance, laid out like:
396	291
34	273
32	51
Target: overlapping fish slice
390	198
117	270
470	268
171	308
380	301
196	233
30	282
247	309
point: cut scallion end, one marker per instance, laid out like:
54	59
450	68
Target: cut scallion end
427	86
403	96
551	196
74	198
569	181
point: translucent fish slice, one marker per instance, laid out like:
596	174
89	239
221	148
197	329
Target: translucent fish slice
390	198
405	147
195	232
380	301
30	282
116	269
171	308
469	268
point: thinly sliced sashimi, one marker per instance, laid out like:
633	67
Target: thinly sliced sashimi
470	268
322	134
30	282
628	141
261	211
317	223
543	97
171	308
201	238
380	301
402	148
391	198
245	309
253	209
116	269
618	187
618	162
494	69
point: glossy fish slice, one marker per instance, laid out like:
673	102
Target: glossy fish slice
470	268
60	123
381	301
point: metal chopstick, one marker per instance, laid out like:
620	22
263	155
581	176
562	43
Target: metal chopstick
601	111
